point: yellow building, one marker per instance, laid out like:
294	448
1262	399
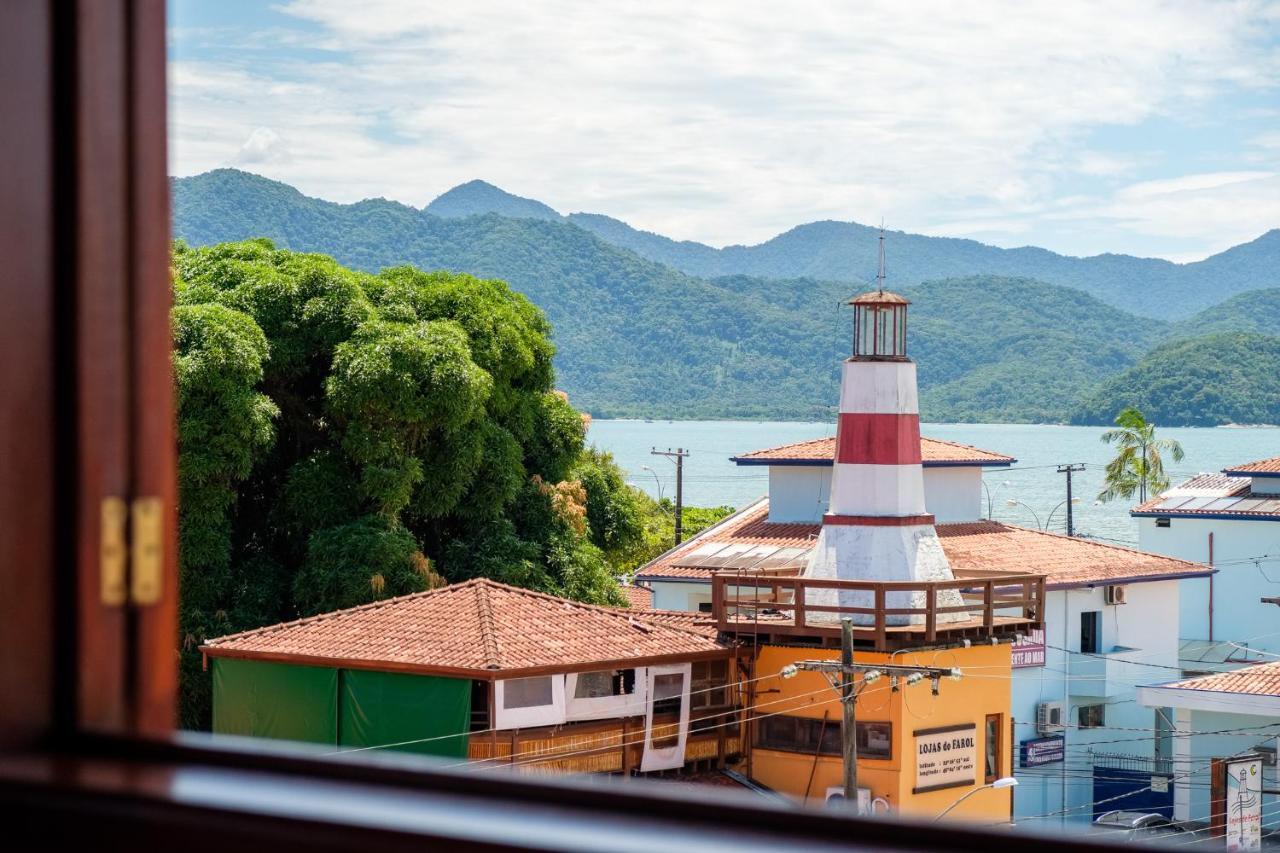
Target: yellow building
923	747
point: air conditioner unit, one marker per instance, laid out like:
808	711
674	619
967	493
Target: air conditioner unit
1113	594
835	797
1049	718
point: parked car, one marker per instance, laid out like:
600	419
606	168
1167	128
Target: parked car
1126	827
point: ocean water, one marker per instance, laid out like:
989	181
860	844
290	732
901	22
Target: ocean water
710	479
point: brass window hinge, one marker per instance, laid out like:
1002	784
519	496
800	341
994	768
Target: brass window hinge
131	551
146	569
113	551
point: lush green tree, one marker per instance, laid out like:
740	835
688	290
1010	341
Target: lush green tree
346	436
1139	462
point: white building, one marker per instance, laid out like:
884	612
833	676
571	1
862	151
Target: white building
1111	620
1230	521
1226	714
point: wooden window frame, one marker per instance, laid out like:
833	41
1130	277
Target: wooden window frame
88	754
998	754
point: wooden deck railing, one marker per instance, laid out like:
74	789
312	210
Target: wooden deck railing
755	602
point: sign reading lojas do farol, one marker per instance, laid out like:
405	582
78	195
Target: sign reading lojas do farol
946	757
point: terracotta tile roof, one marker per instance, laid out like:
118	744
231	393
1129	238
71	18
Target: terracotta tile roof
933	451
638	597
1064	560
1262	466
980	545
748	526
1211	495
478	627
1262	679
685	620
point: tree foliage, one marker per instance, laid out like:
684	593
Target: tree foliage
346	437
1139	463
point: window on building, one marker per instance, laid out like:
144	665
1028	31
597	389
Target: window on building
994	747
704	607
604	683
709	685
810	735
480	706
1164	733
668	698
1092	716
527	692
1162	522
1091	632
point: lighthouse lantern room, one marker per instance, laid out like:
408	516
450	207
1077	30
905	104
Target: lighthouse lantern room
879	326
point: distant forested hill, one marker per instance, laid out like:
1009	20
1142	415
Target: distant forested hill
846	251
1253	311
637	337
1223	378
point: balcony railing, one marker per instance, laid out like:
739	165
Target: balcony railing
895	614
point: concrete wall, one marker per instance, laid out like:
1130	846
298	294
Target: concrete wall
1148	635
800	493
680	595
1205	747
1238	614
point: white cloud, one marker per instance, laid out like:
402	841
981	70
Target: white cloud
721	122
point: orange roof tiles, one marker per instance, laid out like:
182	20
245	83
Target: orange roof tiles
981	545
1261	679
475	628
1262	466
933	452
638	597
1064	560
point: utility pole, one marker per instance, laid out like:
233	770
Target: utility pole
1068	470
841	677
849	704
677	456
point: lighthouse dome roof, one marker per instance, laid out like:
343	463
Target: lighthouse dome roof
879	297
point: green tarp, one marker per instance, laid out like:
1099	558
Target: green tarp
415	713
275	700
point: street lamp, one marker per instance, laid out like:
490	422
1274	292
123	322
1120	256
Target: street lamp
988	491
1003	782
1047	521
1012	502
655	479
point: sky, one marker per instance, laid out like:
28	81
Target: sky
1139	127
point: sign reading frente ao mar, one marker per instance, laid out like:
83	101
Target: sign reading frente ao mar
946	757
1029	651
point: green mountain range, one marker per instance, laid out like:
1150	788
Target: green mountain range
647	326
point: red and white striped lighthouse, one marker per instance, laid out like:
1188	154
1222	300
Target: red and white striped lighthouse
877	527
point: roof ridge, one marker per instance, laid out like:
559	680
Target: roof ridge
488	627
334	614
1109	546
623	613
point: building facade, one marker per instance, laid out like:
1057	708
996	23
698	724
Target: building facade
1229	520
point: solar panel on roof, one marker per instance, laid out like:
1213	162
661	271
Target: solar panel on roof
1249	504
724	556
698	556
1221	504
748	559
785	558
1269	506
1197	503
1172	503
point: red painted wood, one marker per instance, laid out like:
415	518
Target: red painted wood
877	520
100	248
153	680
879	439
28	436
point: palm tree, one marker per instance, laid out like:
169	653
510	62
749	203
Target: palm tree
1139	466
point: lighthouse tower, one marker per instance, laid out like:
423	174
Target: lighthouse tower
877	528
